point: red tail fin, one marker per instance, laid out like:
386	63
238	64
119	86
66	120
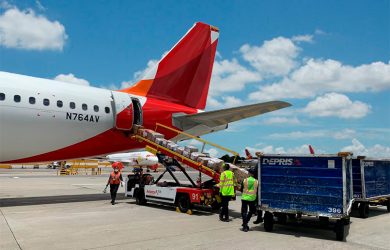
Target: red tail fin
248	154
183	75
311	150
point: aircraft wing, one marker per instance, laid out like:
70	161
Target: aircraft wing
211	121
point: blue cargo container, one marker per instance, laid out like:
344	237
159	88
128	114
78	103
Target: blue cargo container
306	185
371	184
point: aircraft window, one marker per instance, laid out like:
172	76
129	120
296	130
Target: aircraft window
72	105
31	100
59	104
107	109
84	106
96	108
2	96
17	98
46	102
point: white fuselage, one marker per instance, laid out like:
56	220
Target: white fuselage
38	116
134	158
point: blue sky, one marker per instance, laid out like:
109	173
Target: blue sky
330	59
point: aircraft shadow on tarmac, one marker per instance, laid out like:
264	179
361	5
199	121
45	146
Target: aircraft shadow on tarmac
27	201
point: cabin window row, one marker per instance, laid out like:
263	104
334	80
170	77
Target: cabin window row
60	104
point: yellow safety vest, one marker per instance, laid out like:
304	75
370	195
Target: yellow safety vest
249	189
226	183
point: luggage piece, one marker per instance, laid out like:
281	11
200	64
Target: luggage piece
196	155
152	135
172	146
186	154
160	141
179	150
215	164
191	149
240	173
136	128
203	160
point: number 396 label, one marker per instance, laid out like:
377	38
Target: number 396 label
334	210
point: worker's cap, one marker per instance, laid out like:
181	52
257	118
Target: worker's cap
117	165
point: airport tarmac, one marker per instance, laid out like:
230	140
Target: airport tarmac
40	210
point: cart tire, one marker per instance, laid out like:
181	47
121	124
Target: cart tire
282	218
363	210
184	204
324	220
268	222
139	197
340	230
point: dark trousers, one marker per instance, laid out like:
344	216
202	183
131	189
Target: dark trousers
244	211
113	191
224	214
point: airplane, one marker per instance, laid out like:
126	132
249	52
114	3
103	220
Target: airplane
142	158
47	120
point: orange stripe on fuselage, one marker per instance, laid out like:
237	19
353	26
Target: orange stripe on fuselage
141	88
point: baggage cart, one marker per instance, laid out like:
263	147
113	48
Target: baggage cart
293	186
371	184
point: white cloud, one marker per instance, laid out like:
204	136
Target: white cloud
321	76
138	75
40	6
231	76
226	102
357	148
213	152
338	105
303	38
70	78
282	120
344	134
24	29
275	57
313	134
320	32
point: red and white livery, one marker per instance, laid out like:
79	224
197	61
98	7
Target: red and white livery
47	120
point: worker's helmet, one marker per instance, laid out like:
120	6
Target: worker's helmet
117	165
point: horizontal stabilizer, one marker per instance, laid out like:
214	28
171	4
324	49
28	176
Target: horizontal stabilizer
224	116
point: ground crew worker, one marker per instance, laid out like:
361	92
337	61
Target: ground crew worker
114	180
248	199
227	192
259	218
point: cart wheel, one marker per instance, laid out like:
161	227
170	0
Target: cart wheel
388	205
355	206
363	210
183	202
139	197
282	218
340	230
268	222
324	220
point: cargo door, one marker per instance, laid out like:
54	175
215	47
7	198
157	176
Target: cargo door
123	110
